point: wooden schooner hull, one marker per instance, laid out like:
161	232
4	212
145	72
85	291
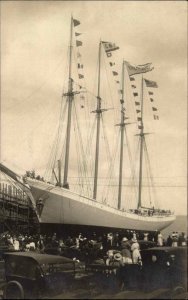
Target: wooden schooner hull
61	206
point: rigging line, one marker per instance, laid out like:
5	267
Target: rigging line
81	144
115	117
128	200
54	150
78	159
134	169
151	175
34	128
86	111
61	121
89	146
79	162
106	139
40	87
51	161
131	162
111	170
148	174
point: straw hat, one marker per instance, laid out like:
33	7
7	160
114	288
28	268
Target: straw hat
124	239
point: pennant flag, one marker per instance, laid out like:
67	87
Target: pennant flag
151	99
133	86
132	79
137	103
80	66
76	22
150	83
78	43
115	73
108	47
135	94
138	111
139	119
80	76
78	54
150	93
112	64
154	108
77	33
156	117
132	70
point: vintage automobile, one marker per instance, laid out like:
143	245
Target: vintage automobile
165	267
162	268
31	275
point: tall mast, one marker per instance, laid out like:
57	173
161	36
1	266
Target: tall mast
70	96
141	146
122	129
98	112
59	172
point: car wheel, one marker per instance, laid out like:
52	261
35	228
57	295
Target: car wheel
177	291
13	290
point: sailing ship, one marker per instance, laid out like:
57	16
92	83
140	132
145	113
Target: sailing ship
59	204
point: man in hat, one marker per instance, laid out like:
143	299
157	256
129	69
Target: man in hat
126	251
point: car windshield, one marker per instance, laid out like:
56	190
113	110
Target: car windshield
19	266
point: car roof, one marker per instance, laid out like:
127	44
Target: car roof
167	249
40	258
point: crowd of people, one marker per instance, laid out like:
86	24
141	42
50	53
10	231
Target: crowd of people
112	245
151	212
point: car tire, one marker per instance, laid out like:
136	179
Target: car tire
177	291
13	290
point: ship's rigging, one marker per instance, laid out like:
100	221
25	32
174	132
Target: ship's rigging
86	169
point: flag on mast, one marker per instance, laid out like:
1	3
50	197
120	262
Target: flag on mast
78	43
154	108
108	47
76	22
80	76
138	69
150	83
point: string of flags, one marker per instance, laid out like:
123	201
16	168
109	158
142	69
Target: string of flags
139	69
80	65
109	48
152	84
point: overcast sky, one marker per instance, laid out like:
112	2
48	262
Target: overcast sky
34	40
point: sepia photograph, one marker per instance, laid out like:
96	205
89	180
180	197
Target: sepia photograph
93	152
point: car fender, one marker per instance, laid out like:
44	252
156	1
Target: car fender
11	284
